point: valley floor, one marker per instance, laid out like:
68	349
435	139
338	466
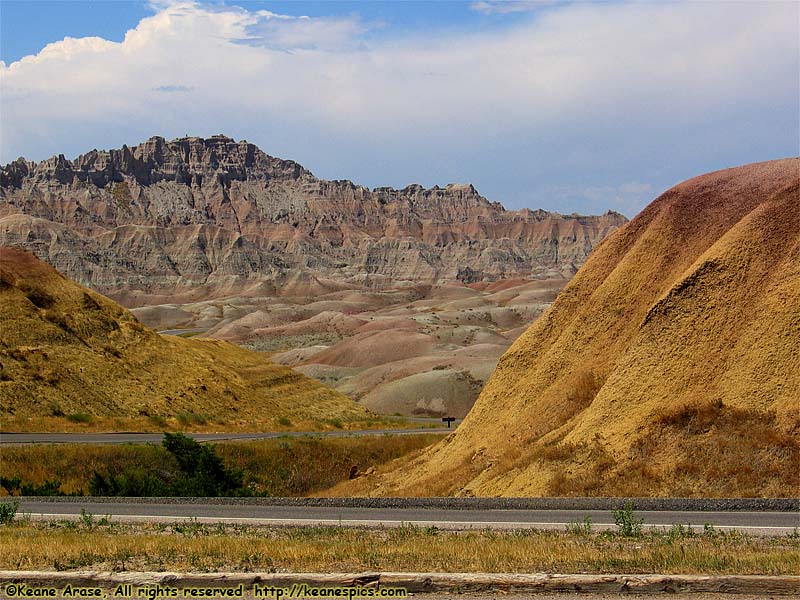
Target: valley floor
417	350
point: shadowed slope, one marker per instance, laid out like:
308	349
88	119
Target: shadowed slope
65	349
669	365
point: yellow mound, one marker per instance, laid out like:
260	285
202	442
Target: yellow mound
65	349
670	365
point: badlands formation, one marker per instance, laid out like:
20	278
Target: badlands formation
424	350
667	366
67	350
401	299
196	218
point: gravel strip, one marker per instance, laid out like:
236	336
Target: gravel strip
641	504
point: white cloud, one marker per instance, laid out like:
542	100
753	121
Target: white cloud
588	84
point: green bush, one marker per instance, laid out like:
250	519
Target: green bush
203	473
582	528
196	470
627	524
15	486
8	510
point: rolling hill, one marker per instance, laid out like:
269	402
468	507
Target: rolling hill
669	365
66	350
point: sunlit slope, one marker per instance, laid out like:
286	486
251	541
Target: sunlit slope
65	349
670	365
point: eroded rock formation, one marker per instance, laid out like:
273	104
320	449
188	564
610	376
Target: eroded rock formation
195	218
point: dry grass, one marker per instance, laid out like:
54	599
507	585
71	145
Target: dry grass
692	301
202	424
194	547
696	450
66	350
275	467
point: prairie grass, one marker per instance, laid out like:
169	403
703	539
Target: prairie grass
87	544
186	422
274	467
696	450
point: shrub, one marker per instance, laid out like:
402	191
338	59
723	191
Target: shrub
11	484
8	510
15	486
582	528
678	531
50	487
200	472
133	481
627	524
204	474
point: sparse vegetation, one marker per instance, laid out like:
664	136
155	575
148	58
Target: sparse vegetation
627	523
65	344
97	544
582	528
199	472
39	298
717	451
188	417
274	467
8	510
80	417
158	421
16	486
87	520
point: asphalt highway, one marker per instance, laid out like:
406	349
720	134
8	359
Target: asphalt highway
264	513
155	438
195	330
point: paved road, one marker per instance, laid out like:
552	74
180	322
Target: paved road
262	513
155	438
183	331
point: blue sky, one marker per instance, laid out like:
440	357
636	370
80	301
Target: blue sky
566	106
55	20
